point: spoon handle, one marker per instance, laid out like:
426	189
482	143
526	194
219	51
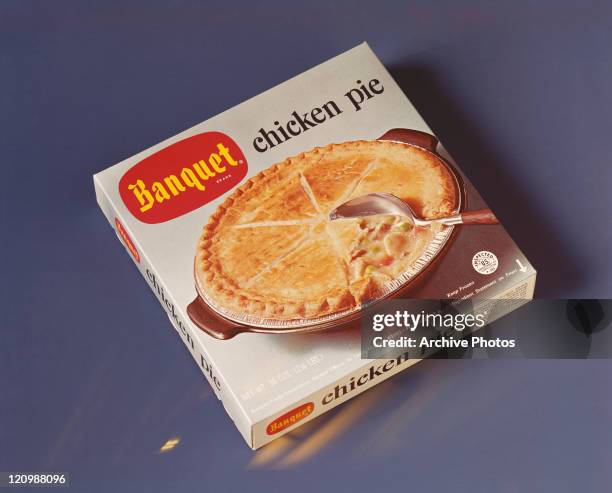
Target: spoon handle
483	216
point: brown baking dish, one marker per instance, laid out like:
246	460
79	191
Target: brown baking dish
211	320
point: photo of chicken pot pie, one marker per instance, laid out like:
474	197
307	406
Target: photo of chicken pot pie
271	251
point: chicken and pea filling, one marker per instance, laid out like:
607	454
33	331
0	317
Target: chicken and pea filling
382	240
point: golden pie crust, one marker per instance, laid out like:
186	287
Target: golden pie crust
270	251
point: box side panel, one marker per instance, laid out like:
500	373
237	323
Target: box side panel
353	384
372	373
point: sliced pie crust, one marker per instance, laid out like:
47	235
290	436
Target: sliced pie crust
270	251
308	282
256	248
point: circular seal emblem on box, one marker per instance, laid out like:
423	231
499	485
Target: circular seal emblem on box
485	262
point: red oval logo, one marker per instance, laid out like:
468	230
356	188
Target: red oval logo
182	177
290	418
127	241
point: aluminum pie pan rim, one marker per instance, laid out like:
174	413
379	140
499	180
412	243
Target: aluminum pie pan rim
434	248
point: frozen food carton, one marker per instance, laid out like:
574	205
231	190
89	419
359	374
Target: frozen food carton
235	226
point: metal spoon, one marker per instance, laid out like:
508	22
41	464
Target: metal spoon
374	204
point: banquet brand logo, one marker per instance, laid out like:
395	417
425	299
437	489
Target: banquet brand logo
290	418
182	177
127	241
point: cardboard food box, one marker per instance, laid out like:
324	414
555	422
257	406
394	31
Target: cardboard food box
229	223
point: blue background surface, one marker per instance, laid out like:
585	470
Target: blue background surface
93	380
